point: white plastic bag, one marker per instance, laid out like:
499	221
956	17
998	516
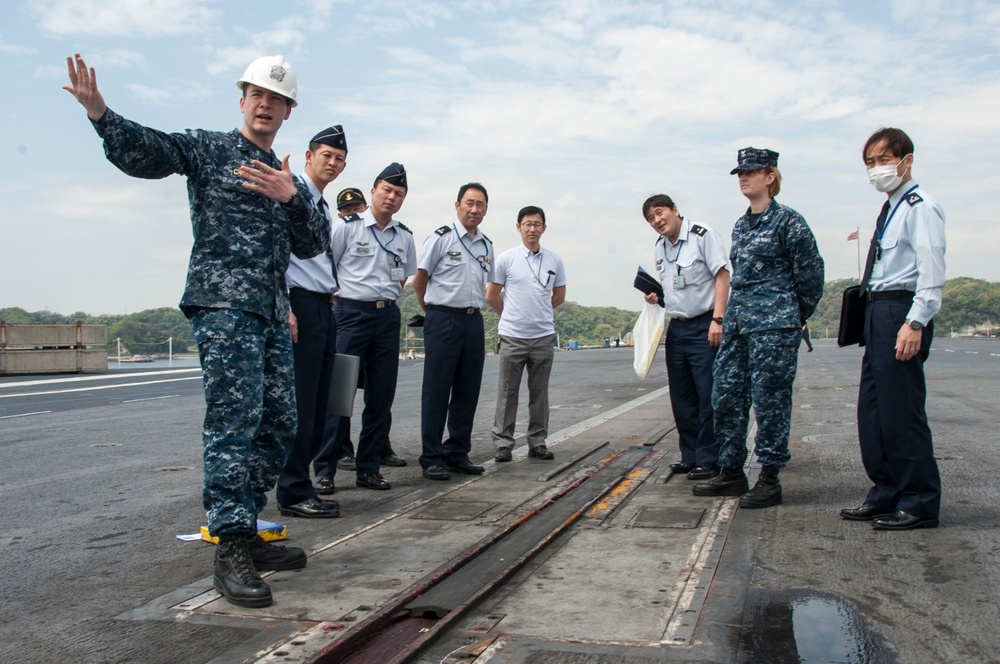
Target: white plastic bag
647	333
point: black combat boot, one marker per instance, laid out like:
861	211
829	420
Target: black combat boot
730	482
766	492
235	576
268	556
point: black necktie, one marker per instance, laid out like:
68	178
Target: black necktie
873	247
324	210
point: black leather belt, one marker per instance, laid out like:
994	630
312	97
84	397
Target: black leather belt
322	297
698	317
874	296
466	311
366	304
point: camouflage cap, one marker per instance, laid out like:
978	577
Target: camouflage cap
394	174
350	196
754	159
332	136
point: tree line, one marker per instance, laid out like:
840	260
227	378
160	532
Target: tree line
968	305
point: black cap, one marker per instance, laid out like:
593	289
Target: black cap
350	196
332	136
754	159
394	174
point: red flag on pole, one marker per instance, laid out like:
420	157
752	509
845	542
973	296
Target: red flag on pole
852	236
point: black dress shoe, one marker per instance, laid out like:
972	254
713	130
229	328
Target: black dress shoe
267	556
393	460
900	520
465	468
324	485
347	462
702	473
313	508
681	467
503	454
437	472
373	481
540	452
865	512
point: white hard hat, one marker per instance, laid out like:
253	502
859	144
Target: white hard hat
272	73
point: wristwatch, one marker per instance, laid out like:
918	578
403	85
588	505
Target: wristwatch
717	319
292	202
914	324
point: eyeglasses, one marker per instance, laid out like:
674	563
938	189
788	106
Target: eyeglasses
532	224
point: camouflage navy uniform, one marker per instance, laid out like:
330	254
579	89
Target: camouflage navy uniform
236	301
777	282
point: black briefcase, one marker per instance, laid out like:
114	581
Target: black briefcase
852	317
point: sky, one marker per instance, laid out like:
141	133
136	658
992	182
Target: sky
582	107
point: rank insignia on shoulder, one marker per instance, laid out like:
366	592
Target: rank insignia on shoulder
485	238
698	230
443	230
914	198
352	217
404	228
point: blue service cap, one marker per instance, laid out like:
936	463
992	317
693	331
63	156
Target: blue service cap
394	174
332	136
754	159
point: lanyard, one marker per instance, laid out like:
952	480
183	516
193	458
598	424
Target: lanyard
895	207
482	259
386	249
666	252
537	274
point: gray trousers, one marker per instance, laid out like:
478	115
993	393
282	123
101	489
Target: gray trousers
515	353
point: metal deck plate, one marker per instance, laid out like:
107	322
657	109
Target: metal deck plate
667	517
454	510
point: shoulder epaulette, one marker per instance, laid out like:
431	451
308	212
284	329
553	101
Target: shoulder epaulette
404	228
914	198
443	230
352	217
698	230
485	238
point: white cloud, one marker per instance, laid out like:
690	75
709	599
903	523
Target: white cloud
122	18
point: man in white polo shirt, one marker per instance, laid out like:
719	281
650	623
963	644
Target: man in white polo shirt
533	283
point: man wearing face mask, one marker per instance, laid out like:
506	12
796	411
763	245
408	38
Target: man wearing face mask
904	276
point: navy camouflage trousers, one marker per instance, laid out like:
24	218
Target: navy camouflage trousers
250	415
758	369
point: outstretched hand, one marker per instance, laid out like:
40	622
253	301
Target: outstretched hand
83	86
271	182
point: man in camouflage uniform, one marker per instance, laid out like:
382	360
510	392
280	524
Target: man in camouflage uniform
776	285
247	214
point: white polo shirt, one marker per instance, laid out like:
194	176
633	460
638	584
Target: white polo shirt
528	279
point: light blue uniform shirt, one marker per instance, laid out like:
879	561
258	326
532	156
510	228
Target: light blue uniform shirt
458	265
528	279
696	257
366	254
913	251
313	274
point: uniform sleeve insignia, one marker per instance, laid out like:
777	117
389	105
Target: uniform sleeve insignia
914	198
404	228
698	230
443	230
352	217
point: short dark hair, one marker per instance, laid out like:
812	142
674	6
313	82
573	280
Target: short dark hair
472	185
531	209
658	200
896	141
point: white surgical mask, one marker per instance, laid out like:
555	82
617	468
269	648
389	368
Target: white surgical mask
885	178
